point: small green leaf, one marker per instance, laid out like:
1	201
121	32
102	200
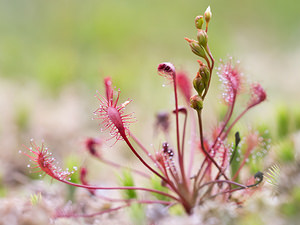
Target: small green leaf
127	180
156	184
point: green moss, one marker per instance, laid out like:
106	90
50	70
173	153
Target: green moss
3	192
137	214
286	151
156	184
289	209
35	198
297	119
177	210
251	219
126	179
72	163
283	121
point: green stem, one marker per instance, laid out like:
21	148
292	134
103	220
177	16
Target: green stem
203	148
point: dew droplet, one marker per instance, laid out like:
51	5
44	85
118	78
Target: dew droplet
28	165
20	151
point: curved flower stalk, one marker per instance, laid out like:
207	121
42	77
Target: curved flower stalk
180	183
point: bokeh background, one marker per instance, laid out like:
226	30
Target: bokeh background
54	55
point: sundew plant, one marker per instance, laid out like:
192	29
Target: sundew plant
208	168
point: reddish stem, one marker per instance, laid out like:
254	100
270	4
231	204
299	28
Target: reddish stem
183	136
210	70
122	206
248	151
204	150
193	140
167	181
116	165
225	123
143	161
222	181
137	141
234	122
205	171
120	188
198	174
180	158
99	213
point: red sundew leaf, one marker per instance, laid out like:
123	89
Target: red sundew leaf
43	159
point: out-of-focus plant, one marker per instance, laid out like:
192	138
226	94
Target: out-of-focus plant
283	121
180	177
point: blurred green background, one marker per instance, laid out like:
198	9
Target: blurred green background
58	43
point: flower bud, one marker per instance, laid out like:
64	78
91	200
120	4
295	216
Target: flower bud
196	102
204	72
199	22
199	84
202	38
207	15
196	48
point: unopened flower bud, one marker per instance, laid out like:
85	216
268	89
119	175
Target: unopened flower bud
199	22
204	72
196	48
199	84
202	38
196	102
207	14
